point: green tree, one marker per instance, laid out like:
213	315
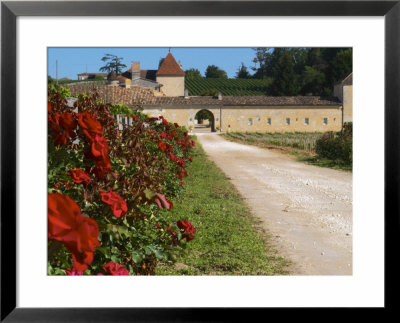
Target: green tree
113	64
282	71
261	61
242	72
313	81
193	74
213	71
342	64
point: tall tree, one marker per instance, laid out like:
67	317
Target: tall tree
213	71
342	64
282	71
193	74
113	64
261	61
242	72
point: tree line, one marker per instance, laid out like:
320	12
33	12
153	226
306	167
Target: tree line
293	71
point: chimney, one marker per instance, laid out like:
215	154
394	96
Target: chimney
219	96
186	94
135	70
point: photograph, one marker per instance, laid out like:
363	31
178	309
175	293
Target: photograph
200	161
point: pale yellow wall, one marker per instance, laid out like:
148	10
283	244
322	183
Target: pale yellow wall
238	118
172	85
348	103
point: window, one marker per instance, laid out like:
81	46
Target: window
269	121
288	121
250	123
306	121
325	121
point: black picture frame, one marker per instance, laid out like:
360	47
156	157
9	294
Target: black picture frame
10	10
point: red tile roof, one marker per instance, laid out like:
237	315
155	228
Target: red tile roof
170	67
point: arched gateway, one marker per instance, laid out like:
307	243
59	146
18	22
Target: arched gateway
204	121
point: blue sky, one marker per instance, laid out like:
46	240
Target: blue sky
74	60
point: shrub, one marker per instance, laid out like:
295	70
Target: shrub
107	187
338	145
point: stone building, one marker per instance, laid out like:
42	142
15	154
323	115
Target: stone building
344	92
162	92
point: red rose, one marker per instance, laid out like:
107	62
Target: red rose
163	134
49	109
79	176
162	145
193	143
73	272
63	126
77	232
90	126
68	123
181	162
188	229
99	148
114	269
190	158
117	203
163	202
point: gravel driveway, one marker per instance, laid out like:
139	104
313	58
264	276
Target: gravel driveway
306	209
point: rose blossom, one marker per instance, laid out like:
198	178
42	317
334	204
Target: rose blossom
90	126
78	233
79	176
115	269
188	228
117	203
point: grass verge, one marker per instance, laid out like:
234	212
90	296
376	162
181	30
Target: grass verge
229	240
288	144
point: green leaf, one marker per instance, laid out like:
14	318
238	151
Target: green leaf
149	194
137	257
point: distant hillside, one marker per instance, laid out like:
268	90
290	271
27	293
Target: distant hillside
229	87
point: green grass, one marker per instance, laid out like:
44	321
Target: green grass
229	240
301	140
321	162
300	145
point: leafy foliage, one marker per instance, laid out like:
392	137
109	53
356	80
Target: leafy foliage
213	71
147	164
113	64
337	145
242	72
193	74
301	71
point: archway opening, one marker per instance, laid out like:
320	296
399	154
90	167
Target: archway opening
204	121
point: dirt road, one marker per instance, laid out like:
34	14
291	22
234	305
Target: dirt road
306	209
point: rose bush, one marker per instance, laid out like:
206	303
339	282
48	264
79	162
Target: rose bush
107	187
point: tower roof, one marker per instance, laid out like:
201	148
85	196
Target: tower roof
170	67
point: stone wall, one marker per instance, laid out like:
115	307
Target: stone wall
348	103
253	119
172	85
